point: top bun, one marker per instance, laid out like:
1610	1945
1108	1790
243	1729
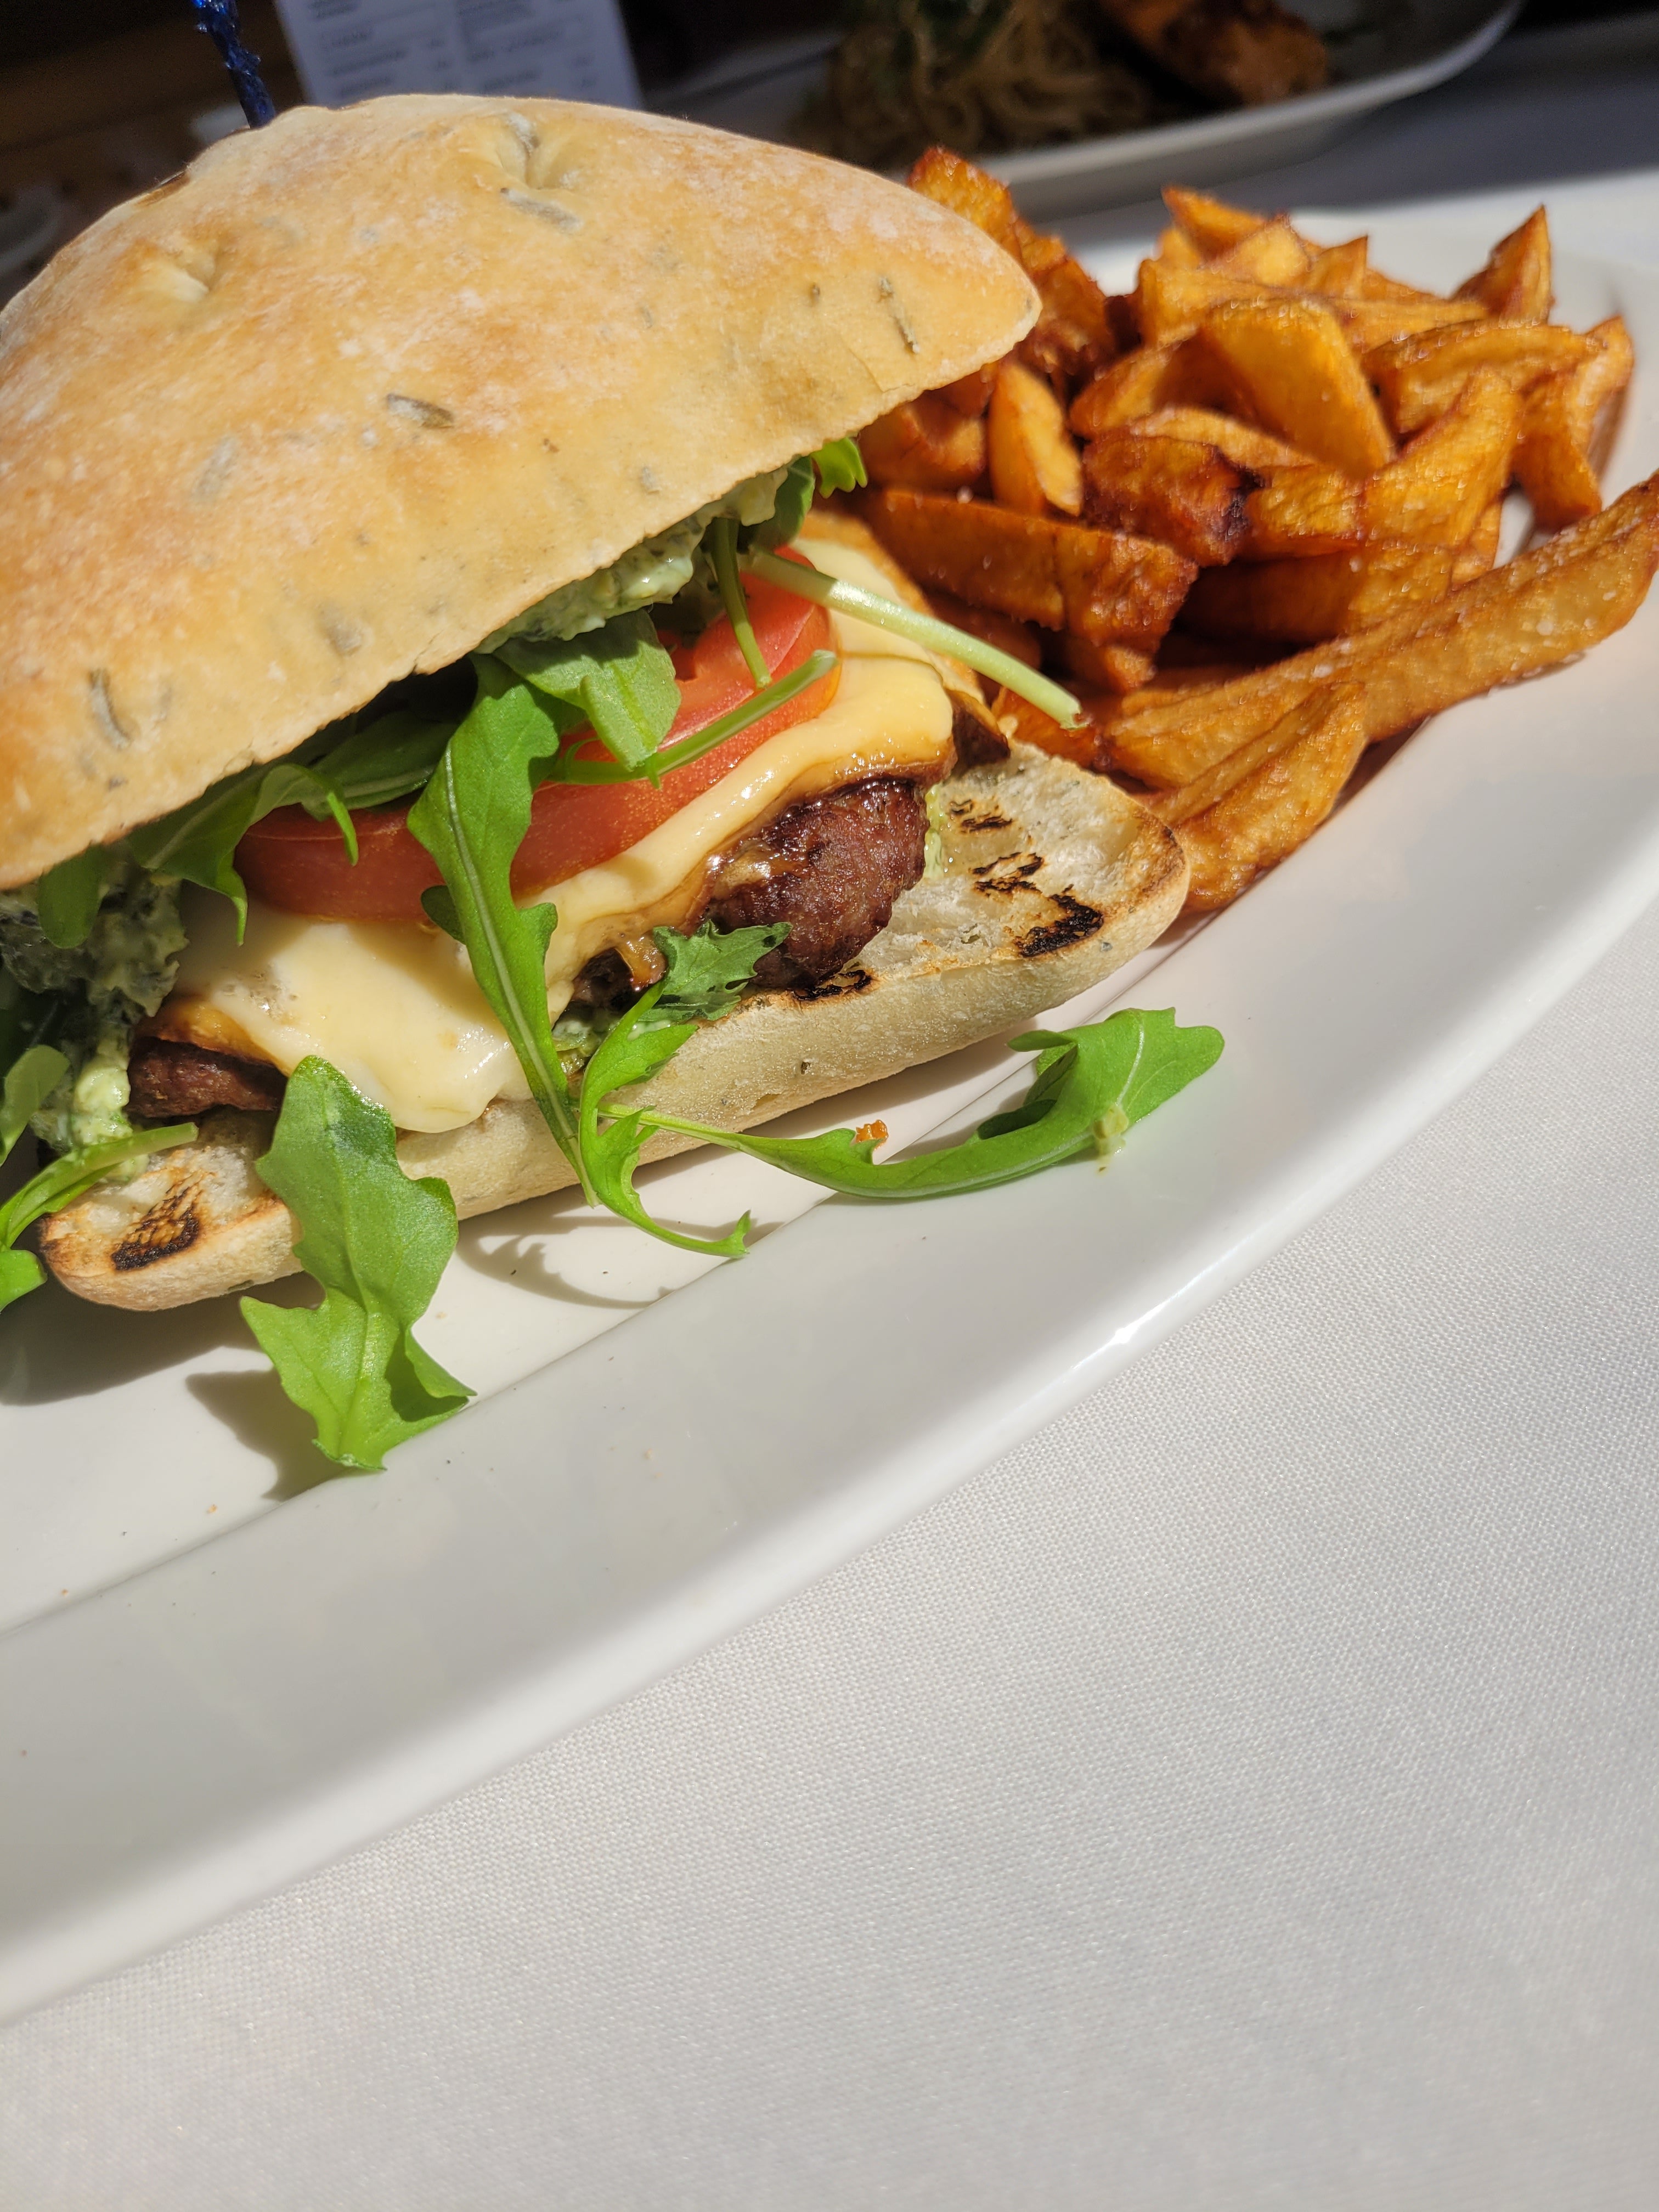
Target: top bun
359	387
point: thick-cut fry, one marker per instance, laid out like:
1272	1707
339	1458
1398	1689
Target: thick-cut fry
1289	359
1245	447
1339	272
1275	254
1152	377
1545	607
1444	479
1170	303
1278	804
1299	513
1562	429
925	444
1177	248
1190	799
1211	224
1375	286
1111	588
1367	323
1305	602
1115	668
1475	558
1516	281
1018	638
1188	495
971	395
1074	336
1026	724
1433	496
1033	460
1417	379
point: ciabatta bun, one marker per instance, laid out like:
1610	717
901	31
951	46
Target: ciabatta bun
1053	878
361	387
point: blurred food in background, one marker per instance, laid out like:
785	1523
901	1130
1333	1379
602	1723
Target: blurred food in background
992	75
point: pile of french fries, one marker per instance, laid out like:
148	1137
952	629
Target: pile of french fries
1250	512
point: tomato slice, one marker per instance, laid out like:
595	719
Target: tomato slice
300	866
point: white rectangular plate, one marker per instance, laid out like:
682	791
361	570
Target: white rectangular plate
251	1702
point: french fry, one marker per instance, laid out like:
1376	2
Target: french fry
1177	248
971	395
1477	555
1150	378
1444	479
1024	723
1375	286
1339	272
1073	335
1274	254
1245	447
1018	638
1300	514
1556	459
1516	281
1186	494
1171	303
1296	370
1418	378
1188	800
1278	805
925	444
1211	224
1033	461
1367	323
1544	607
1432	495
1115	668
1305	602
1108	587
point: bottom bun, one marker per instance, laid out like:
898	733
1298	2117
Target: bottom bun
1052	878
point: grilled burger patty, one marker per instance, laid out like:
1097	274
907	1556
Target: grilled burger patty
830	868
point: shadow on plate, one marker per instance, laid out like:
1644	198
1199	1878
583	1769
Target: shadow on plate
250	1404
55	1347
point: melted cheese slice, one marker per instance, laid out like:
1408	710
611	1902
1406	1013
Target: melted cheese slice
394	1005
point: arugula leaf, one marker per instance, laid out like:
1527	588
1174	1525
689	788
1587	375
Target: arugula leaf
708	971
377	1242
723	543
705	975
777	693
30	1081
632	1052
199	842
923	629
67	897
56	1185
393	757
27	1017
472	817
1089	1086
840	465
790	506
618	680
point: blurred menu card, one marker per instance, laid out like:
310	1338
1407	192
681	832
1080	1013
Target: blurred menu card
348	49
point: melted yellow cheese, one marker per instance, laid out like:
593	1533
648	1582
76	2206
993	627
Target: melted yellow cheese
394	1006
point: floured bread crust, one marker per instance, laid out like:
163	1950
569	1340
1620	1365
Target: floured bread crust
1053	878
361	387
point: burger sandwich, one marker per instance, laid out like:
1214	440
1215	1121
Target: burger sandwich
421	648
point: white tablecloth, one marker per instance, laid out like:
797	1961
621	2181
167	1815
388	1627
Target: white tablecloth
1245	1795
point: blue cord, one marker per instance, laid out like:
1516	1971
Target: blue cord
218	18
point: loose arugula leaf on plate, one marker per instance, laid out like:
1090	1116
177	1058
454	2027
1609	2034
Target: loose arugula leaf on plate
377	1242
472	817
618	680
61	1181
705	975
199	842
67	897
1089	1086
